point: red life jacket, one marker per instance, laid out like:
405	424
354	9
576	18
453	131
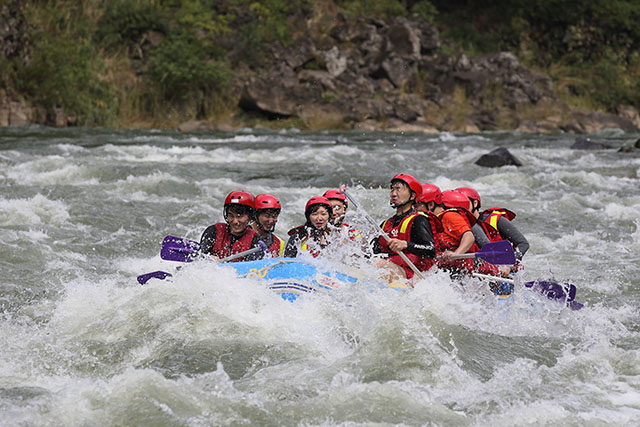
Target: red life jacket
277	246
402	231
302	234
491	232
352	233
492	221
222	246
495	214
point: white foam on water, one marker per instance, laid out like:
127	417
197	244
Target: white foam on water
52	170
618	211
38	210
81	342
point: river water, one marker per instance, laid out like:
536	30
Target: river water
83	212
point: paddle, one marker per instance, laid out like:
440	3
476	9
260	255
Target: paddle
343	188
563	292
179	249
494	253
144	278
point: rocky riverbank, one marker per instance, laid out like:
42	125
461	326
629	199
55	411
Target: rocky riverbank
373	75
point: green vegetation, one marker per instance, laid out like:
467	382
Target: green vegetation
592	46
153	62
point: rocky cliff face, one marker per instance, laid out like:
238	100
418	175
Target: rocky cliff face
374	75
365	74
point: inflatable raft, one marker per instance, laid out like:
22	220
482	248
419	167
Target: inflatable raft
291	277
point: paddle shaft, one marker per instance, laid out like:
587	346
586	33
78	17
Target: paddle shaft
382	232
461	256
262	247
489	277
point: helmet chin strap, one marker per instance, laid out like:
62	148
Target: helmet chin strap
261	227
398	205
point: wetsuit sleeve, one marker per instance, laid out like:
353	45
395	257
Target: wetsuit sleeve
207	240
479	235
291	249
511	233
421	238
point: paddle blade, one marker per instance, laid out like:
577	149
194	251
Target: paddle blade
562	292
497	253
179	249
144	278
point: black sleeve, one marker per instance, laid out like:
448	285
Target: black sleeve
511	233
291	249
207	240
421	238
479	235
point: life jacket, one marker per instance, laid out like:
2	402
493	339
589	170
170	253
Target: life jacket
402	231
222	246
303	235
352	233
465	264
277	246
490	231
494	215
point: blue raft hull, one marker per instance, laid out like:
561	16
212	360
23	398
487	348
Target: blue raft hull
291	277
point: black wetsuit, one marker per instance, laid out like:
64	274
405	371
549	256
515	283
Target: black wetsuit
421	240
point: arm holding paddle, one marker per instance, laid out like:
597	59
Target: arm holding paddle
465	244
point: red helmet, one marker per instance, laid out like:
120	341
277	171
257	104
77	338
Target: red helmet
243	198
267	201
240	198
455	199
413	183
318	200
431	193
470	193
336	194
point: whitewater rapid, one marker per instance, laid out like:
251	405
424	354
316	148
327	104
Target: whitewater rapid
83	212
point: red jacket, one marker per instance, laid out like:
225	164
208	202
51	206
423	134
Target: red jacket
222	246
402	231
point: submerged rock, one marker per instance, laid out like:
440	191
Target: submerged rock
498	157
582	143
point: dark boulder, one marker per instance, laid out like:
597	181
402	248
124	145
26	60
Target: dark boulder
587	144
498	157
